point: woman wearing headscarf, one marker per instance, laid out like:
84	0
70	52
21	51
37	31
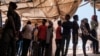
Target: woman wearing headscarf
27	37
86	35
49	39
94	26
10	31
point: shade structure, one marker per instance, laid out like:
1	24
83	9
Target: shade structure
97	4
39	9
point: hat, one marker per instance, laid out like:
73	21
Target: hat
13	4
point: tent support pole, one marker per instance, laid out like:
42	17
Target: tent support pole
0	17
94	1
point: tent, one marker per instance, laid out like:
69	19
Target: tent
39	9
97	4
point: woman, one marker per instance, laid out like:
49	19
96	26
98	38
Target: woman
35	45
94	26
10	31
27	37
49	39
86	35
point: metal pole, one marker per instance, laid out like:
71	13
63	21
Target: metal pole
94	3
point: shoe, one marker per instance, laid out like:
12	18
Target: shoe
63	55
97	53
85	55
74	54
94	52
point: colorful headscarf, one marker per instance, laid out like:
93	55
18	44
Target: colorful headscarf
94	17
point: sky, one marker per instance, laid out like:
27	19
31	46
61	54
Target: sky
86	11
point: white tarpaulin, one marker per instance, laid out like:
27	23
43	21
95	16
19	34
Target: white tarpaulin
97	4
39	9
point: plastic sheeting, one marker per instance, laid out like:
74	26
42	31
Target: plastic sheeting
39	9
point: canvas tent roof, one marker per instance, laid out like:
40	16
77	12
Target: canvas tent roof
97	3
39	9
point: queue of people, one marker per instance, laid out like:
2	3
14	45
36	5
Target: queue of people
41	36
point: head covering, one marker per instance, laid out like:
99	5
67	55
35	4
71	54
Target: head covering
94	17
13	5
85	20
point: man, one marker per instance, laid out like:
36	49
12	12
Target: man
42	37
75	33
58	39
66	35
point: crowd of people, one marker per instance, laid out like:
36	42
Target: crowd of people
39	38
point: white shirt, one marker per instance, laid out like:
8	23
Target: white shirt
27	34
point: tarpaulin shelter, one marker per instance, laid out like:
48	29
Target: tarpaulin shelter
97	3
39	9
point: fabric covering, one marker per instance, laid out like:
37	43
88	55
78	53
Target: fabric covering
97	4
39	9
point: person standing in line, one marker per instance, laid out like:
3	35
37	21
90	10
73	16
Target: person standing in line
35	45
75	28
66	35
86	35
42	37
49	39
27	37
10	31
58	39
84	39
35	33
94	26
